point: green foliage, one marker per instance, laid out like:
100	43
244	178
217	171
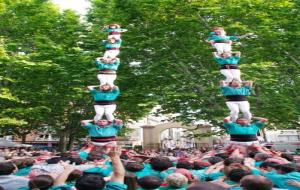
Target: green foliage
46	60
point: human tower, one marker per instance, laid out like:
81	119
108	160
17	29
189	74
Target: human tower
241	130
103	131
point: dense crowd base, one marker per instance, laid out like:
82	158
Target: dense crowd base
92	168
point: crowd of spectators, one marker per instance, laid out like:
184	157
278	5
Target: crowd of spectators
233	167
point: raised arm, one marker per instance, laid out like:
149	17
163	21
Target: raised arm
248	83
85	122
261	119
215	54
118	169
223	83
237	53
91	87
62	178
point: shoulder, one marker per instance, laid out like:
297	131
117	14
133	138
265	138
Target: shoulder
115	186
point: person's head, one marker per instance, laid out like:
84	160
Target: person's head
205	186
102	122
1	188
112	40
286	168
130	180
256	182
23	163
105	87
113	26
234	166
137	159
235	83
76	160
56	160
222	155
232	160
41	182
134	166
288	157
184	164
150	182
219	30
214	159
176	180
74	175
243	121
252	154
186	173
160	163
261	157
237	174
7	168
268	166
226	54
199	165
90	182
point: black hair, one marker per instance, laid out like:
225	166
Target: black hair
229	161
256	183
199	166
56	160
42	182
288	157
268	164
160	164
134	166
263	156
7	168
223	155
150	182
184	164
90	182
214	159
252	154
237	174
287	168
130	180
77	160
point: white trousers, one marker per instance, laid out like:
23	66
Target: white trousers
111	143
107	78
231	74
237	106
222	47
244	143
108	110
111	53
116	36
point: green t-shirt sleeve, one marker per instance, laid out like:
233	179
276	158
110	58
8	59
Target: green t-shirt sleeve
89	125
115	186
259	124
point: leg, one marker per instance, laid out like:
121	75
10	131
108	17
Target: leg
228	74
110	79
109	111
227	47
236	74
99	109
234	110
102	78
219	47
245	108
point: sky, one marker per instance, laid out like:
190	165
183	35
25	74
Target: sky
79	6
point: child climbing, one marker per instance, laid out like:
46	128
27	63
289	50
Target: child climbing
112	47
114	31
107	70
236	99
104	101
229	65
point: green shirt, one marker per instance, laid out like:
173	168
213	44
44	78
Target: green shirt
236	129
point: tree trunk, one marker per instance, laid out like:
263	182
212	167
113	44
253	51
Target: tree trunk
23	138
62	141
71	142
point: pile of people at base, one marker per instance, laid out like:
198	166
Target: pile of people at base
232	167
